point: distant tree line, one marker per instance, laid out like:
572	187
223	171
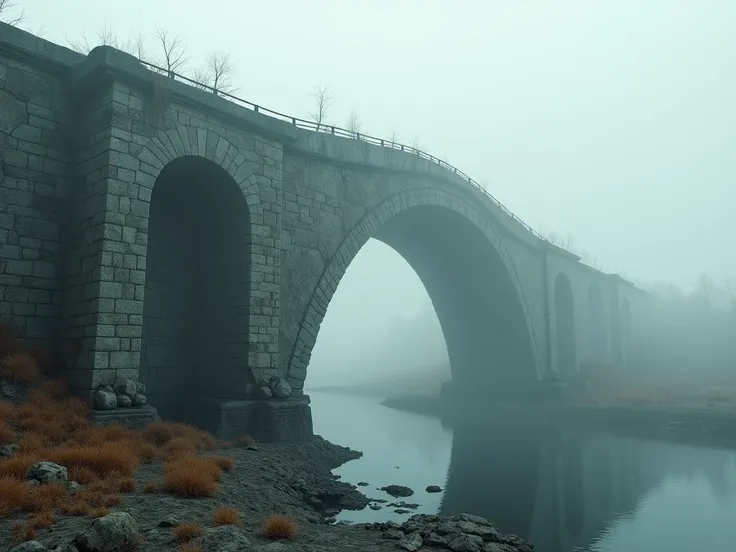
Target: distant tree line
688	333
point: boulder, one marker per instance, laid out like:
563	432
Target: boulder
124	401
265	392
139	399
140	388
111	533
280	388
105	400
411	542
465	543
6	451
225	538
169	521
47	472
434	489
397	490
126	387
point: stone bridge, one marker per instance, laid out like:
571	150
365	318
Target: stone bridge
155	231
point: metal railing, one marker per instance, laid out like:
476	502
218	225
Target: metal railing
345	133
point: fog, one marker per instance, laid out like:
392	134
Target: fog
608	123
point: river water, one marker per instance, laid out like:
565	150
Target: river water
562	491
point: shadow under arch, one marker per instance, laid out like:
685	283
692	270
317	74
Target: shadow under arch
565	327
494	473
596	323
197	290
470	280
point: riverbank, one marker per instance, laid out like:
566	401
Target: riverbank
68	486
697	424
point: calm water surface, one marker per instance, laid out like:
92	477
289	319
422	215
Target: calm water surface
563	491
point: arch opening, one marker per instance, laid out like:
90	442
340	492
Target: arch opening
596	324
565	325
197	292
474	296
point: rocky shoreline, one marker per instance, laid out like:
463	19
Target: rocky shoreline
292	479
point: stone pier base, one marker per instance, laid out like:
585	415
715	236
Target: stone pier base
132	418
269	420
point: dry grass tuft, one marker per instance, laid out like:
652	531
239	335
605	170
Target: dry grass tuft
115	456
42	520
126	485
20	367
190	547
191	476
180	445
23	532
42	498
225	463
150	487
13	495
8	411
17	466
160	433
186	532
7	434
226	515
112	500
278	526
81	474
75	507
99	512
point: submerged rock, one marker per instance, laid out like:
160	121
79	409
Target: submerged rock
397	490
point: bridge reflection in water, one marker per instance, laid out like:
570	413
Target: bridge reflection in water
561	490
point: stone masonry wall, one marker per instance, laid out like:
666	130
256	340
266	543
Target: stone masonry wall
145	129
324	206
35	171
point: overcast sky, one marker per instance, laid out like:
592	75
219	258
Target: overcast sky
613	122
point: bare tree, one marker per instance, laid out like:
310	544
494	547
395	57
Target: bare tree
174	51
322	102
394	138
7	6
563	243
731	290
220	69
415	144
354	123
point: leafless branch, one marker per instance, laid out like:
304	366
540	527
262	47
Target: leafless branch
8	6
415	144
322	102
395	138
220	69
174	51
202	78
354	123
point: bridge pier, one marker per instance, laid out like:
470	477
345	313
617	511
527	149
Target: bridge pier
266	420
536	392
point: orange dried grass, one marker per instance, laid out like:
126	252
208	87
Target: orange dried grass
226	515
186	532
278	526
20	367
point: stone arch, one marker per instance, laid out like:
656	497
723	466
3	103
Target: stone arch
177	163
565	327
596	323
381	223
